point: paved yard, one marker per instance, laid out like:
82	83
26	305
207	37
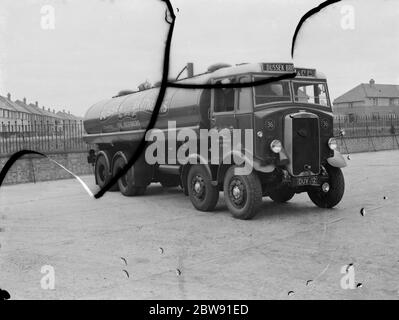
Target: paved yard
171	251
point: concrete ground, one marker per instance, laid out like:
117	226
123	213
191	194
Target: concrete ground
158	247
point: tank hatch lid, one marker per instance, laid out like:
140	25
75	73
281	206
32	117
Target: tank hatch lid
218	66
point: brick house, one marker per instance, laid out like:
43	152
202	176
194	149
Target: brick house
369	99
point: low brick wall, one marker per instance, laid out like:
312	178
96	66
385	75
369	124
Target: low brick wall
368	144
33	168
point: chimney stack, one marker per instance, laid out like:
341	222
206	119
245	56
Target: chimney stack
54	111
372	82
48	109
9	96
24	100
43	108
37	104
63	110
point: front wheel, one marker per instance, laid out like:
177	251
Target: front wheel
203	195
242	193
331	192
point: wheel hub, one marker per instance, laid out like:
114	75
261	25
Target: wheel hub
198	187
237	192
325	187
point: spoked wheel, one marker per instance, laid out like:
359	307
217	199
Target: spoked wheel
282	194
331	192
242	193
102	172
203	195
126	182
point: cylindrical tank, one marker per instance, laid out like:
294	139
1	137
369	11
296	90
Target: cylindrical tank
131	112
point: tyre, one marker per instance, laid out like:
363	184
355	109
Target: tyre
282	194
102	172
330	198
126	183
242	193
203	195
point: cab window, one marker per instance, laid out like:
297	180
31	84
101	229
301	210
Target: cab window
244	100
224	100
308	92
272	92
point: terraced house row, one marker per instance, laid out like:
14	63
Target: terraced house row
18	115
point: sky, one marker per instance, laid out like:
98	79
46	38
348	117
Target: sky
95	48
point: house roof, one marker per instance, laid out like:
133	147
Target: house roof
22	106
35	109
5	105
49	113
369	90
31	108
381	90
17	107
67	116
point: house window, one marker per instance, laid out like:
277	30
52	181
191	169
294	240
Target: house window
375	101
392	101
350	105
375	115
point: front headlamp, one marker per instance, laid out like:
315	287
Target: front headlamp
276	146
332	143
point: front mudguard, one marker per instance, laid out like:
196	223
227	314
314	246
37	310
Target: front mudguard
337	160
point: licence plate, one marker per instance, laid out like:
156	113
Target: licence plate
306	181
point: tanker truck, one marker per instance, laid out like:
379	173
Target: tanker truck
284	132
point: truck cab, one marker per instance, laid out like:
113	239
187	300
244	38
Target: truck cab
294	149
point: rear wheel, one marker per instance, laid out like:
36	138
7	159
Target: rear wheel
331	193
126	183
242	193
102	172
203	195
282	194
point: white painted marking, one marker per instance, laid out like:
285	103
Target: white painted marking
76	177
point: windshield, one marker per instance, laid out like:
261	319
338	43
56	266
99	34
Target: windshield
314	92
272	92
311	92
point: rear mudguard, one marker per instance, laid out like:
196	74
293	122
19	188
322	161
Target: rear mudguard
337	160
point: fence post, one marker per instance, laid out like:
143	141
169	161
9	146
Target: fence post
8	138
63	132
56	138
48	136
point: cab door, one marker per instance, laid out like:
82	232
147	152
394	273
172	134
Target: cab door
244	115
223	109
223	117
